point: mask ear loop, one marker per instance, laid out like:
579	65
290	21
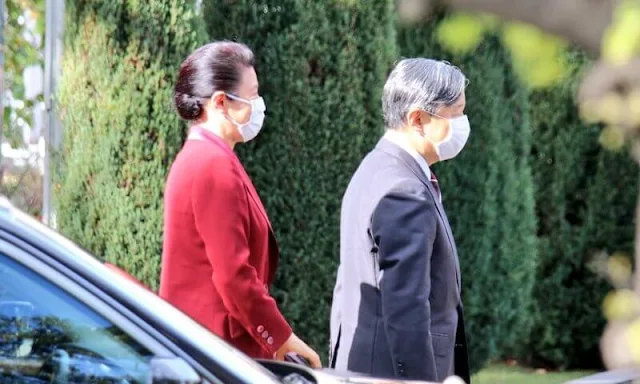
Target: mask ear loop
240	99
450	130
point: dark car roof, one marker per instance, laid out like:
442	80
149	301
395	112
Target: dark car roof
67	257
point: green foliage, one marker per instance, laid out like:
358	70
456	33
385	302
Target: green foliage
24	190
488	194
20	51
500	374
321	66
120	131
584	202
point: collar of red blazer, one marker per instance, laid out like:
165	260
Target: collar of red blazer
198	131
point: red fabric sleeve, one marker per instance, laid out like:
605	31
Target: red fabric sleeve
221	209
124	273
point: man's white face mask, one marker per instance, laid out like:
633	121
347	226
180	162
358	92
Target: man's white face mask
452	144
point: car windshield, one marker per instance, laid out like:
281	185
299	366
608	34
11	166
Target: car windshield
227	356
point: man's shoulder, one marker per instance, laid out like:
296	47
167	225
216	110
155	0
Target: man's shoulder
379	162
368	188
378	173
407	185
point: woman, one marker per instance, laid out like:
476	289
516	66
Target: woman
220	253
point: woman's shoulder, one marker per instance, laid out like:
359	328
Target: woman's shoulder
203	153
200	168
207	161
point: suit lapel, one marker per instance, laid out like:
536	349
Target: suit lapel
274	252
447	227
396	151
198	131
254	196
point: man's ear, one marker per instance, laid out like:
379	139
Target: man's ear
417	119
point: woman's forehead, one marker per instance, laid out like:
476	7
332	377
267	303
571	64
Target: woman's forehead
249	80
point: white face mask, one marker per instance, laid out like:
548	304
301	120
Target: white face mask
452	145
251	128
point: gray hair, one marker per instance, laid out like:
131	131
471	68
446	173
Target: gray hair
424	83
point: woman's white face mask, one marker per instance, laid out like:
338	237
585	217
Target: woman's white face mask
251	128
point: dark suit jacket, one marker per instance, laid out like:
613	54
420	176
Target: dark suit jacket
219	252
396	308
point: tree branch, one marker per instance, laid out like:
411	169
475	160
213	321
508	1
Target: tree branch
581	22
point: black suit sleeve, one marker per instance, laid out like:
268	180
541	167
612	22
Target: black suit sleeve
404	228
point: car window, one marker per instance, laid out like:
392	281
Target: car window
48	336
173	321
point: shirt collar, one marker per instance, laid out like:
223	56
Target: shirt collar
394	138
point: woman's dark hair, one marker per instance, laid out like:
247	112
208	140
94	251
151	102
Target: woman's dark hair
213	67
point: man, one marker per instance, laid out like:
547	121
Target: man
396	308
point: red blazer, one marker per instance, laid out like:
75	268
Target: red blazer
220	253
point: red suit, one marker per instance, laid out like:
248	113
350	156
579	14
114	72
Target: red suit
220	253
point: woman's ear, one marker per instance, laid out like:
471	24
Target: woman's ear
217	100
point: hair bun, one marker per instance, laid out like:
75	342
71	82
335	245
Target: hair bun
188	106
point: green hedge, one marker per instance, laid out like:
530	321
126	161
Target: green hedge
321	67
585	203
488	194
120	131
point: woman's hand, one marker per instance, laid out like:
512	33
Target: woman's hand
295	345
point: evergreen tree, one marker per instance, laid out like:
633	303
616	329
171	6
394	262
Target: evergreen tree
585	202
120	130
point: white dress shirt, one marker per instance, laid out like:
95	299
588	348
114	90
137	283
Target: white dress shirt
395	138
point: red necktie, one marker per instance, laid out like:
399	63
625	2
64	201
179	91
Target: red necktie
434	182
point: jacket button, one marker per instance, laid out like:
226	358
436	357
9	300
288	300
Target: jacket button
260	328
265	334
401	368
270	340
